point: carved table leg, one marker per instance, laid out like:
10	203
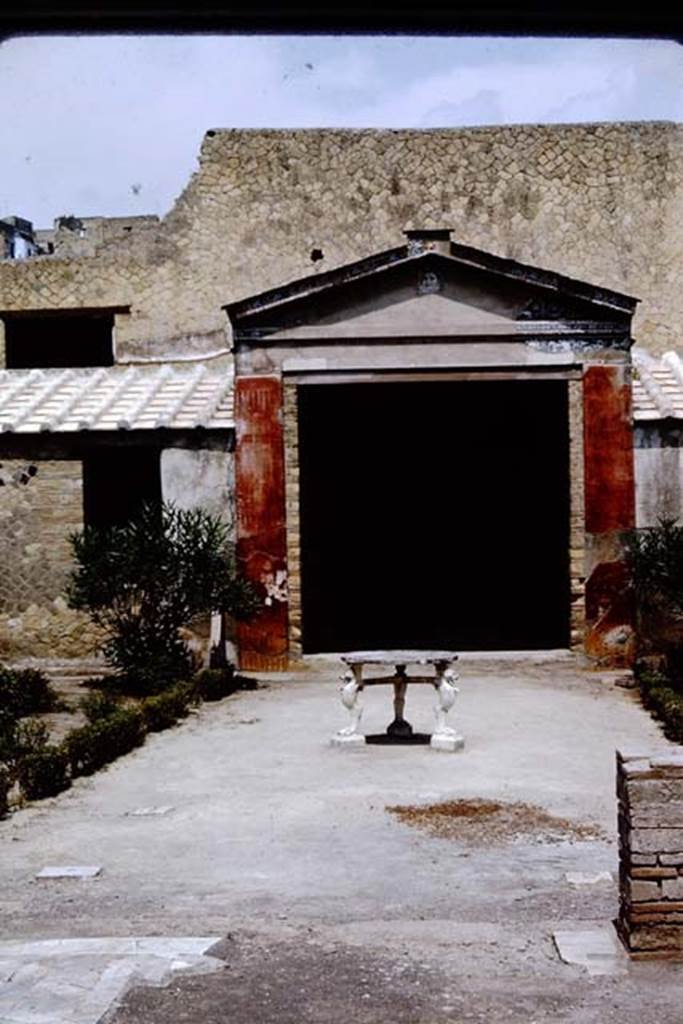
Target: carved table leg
444	736
399	726
350	696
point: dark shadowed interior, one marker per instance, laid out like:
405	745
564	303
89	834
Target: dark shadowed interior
59	340
116	483
435	515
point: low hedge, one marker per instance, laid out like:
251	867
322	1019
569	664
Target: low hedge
215	683
44	773
164	710
113	729
92	746
665	702
100	704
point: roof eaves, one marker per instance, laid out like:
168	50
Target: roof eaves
543	278
314	284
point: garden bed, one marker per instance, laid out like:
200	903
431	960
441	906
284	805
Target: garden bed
53	730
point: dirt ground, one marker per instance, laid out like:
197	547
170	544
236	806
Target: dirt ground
334	907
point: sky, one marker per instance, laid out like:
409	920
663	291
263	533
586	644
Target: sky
112	125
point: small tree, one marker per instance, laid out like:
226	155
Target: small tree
143	581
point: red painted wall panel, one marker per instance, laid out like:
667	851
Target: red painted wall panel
609	508
261	523
608	449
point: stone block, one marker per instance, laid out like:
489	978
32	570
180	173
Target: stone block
657	815
672	859
672	889
656	840
674	760
656	937
637	917
657	872
652	792
643	859
660	907
638	890
637	769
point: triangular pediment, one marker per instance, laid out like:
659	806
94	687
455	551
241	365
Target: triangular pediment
417	289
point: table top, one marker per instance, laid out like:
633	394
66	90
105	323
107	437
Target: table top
397	657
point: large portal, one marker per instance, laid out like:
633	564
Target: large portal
434	515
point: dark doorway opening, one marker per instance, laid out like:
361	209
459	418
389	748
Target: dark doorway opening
59	339
435	515
117	482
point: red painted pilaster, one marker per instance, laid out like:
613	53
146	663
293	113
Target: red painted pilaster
261	518
610	509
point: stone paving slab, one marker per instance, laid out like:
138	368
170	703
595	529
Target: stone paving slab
597	949
70	871
76	980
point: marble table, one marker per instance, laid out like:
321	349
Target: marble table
442	678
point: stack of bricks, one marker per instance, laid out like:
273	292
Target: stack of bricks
650	792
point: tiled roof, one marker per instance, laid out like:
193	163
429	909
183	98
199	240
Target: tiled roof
116	398
184	397
657	386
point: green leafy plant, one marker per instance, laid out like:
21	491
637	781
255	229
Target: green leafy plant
19	739
655	557
92	746
164	710
215	683
100	704
26	692
5	786
665	702
143	581
43	773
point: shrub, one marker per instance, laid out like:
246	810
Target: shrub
215	683
92	746
26	692
143	581
26	738
100	704
664	701
167	708
655	557
5	786
43	773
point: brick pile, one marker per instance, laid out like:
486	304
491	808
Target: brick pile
650	793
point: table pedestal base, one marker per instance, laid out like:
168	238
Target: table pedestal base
448	743
356	739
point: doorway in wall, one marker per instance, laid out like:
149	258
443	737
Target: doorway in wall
434	514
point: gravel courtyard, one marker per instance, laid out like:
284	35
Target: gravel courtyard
317	904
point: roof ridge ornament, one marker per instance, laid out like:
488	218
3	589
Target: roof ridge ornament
421	240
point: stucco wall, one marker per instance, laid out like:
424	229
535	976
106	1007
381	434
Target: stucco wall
201	478
658	456
601	202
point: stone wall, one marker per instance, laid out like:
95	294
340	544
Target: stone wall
600	202
650	793
41	503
